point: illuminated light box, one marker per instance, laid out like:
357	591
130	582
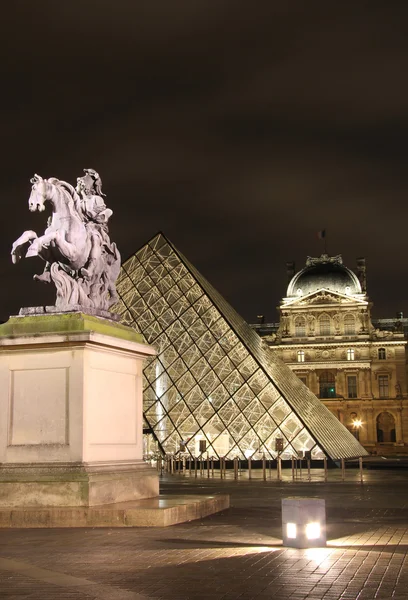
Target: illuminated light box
304	522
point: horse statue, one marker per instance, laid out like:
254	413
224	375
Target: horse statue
79	257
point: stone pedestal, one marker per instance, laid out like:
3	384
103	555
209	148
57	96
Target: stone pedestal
71	422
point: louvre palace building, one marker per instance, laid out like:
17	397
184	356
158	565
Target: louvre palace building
217	389
355	366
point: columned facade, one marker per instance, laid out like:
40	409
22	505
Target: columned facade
327	338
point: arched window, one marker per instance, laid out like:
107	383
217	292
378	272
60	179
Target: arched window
382	355
301	356
349	325
300	327
327	385
350	354
324	325
386	427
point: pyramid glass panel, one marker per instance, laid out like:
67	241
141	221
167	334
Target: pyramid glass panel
212	378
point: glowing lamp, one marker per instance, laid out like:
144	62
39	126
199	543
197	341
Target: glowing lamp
304	522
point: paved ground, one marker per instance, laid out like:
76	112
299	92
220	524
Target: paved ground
233	555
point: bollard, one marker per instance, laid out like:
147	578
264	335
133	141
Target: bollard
195	467
201	465
343	469
308	470
235	468
189	465
279	468
172	465
212	466
270	469
264	467
184	465
293	469
360	461
325	468
304	522
249	468
208	467
300	469
221	473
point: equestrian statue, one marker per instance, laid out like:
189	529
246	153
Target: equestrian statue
79	257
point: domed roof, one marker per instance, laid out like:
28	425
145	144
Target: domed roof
326	272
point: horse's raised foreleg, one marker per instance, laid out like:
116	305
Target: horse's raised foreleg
18	246
43	240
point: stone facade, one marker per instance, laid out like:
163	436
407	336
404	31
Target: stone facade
327	337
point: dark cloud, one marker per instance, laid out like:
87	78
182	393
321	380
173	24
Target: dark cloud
239	130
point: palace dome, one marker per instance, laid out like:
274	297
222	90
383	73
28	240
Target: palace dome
325	272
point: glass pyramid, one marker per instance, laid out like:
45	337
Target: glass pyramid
213	383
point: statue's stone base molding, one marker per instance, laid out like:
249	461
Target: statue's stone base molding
53	310
71	423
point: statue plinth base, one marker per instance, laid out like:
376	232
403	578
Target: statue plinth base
71	422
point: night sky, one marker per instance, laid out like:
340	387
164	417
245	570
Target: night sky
239	129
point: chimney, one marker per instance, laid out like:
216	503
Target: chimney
361	273
290	270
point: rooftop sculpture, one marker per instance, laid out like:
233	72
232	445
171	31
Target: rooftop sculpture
80	258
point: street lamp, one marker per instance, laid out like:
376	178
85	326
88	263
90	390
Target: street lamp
357	423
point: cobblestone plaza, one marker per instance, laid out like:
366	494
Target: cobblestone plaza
234	555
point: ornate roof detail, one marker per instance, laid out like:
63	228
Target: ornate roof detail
324	259
324	273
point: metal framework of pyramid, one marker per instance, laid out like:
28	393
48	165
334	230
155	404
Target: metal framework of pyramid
213	378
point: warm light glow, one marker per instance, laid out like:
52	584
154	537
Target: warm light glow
313	531
357	423
291	530
317	554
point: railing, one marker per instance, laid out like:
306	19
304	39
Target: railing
297	469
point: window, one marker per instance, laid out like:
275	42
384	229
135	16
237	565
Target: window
383	386
300	327
352	386
324	325
301	356
303	379
327	385
349	325
382	355
350	354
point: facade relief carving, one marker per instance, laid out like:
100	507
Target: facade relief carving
337	321
311	322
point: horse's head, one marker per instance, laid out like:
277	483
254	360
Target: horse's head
38	194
